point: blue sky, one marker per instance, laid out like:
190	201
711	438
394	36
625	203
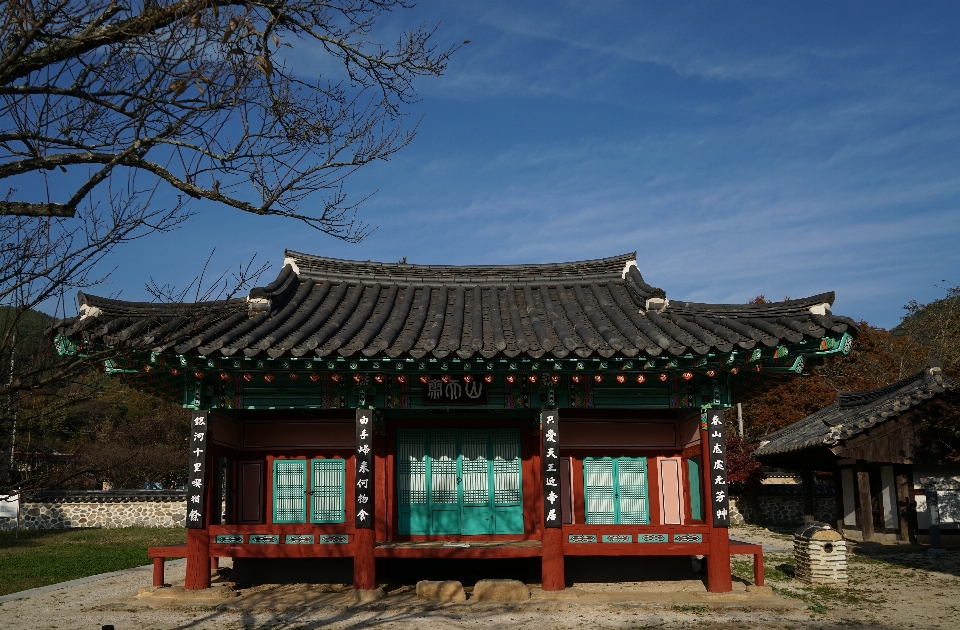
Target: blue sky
740	148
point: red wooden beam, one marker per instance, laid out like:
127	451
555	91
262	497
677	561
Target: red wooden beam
283	551
458	553
634	549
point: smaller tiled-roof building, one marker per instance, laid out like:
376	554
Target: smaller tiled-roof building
875	443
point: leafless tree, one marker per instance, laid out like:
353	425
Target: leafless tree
115	115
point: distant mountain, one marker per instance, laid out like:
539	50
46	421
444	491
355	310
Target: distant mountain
31	340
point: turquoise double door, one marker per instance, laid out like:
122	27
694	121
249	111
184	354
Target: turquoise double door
459	481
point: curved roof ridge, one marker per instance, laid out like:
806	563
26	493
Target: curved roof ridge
851	400
325	268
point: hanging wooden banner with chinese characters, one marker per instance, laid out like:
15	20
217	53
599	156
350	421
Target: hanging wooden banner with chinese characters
196	481
454	391
719	489
363	498
550	456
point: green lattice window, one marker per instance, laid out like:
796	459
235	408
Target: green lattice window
322	491
616	491
326	490
693	479
289	491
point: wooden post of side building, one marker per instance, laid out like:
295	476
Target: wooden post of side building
866	504
838	499
806	482
904	511
719	579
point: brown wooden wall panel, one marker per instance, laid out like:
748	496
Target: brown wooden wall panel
224	431
298	434
689	431
617	434
251	493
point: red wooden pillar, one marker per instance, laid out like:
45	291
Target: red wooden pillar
551	539
198	538
719	579
158	571
364	565
198	560
553	576
365	503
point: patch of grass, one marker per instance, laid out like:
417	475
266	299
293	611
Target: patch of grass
39	558
689	609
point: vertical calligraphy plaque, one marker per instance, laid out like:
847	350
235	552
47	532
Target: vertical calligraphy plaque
363	497
196	481
550	457
719	489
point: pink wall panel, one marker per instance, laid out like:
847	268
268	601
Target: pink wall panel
671	492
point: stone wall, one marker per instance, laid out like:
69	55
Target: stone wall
107	509
779	505
782	506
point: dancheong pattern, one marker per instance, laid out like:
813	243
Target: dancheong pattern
687	538
617	538
652	538
334	539
229	539
264	539
582	538
299	539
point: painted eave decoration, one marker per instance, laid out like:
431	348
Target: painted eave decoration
596	320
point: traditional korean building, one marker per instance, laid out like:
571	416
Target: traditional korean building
370	410
891	485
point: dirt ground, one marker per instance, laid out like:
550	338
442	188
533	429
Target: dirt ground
890	587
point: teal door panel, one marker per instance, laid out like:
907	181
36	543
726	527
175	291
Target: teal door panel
414	512
459	482
476	482
508	520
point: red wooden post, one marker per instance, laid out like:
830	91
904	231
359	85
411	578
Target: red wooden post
719	579
552	542
214	564
198	539
364	565
158	571
198	560
758	569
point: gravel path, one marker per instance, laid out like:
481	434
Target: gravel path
890	588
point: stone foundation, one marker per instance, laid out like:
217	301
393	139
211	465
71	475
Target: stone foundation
101	509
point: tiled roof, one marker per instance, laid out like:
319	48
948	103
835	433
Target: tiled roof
854	413
323	306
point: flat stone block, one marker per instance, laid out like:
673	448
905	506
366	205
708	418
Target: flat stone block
446	591
358	596
753	589
500	591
